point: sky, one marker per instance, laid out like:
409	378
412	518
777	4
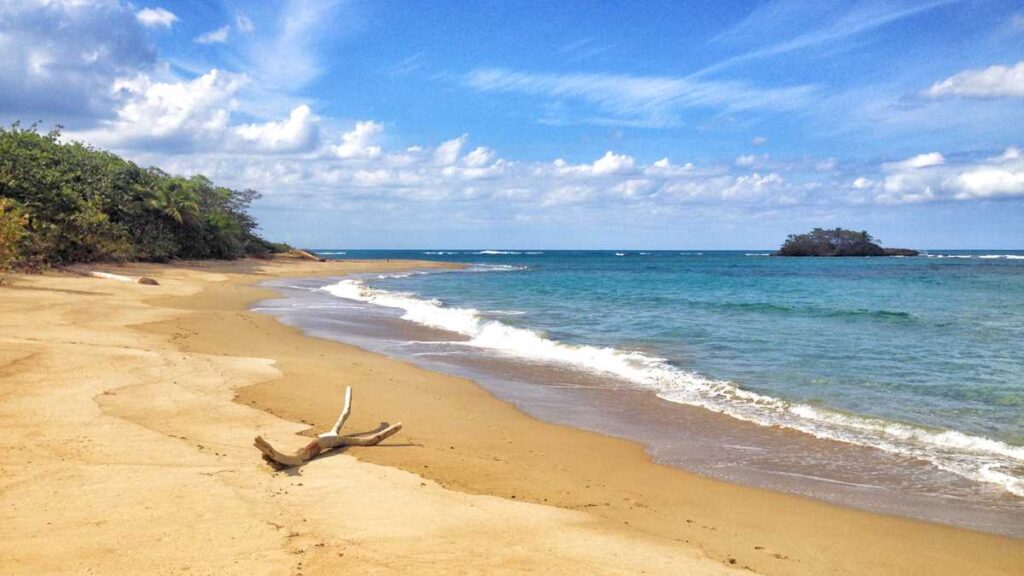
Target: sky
505	124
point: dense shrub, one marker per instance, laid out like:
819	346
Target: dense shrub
836	242
62	203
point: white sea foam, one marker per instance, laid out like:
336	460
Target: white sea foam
497	252
505	313
757	254
440	253
974	457
494	268
982	256
331	252
619	254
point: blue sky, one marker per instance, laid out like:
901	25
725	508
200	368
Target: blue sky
552	125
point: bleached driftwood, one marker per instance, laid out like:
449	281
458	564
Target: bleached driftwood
306	255
122	278
327	440
118	277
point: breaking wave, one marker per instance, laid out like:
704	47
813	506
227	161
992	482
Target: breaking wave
977	458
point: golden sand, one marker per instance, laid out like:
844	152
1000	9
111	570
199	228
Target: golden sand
128	414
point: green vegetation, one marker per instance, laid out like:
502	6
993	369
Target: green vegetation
68	203
837	242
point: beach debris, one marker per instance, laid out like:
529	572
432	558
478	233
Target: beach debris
119	277
328	440
306	255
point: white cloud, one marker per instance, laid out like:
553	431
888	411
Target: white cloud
448	152
919	161
612	163
567	194
992	82
480	156
1011	153
633	187
752	185
989	183
359	142
156	17
758	141
298	133
609	164
998	177
189	114
218	36
862	183
746	160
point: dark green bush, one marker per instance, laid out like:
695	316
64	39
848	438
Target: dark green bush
835	242
62	203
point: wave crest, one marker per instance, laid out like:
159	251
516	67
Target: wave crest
978	458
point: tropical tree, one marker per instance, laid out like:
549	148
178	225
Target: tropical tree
68	202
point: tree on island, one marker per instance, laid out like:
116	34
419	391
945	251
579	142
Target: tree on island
837	242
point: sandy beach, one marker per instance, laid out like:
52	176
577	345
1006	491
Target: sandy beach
128	415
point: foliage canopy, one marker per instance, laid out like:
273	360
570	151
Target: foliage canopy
62	203
835	242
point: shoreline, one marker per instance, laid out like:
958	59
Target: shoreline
680	434
619	480
546	492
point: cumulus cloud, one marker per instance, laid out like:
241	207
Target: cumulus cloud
156	17
448	152
609	164
992	82
179	116
479	157
989	182
298	133
612	163
1001	176
174	114
359	142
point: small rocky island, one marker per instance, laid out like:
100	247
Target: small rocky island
837	242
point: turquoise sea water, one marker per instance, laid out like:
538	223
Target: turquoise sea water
919	356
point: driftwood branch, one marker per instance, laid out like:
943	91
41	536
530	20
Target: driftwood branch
327	440
306	255
118	277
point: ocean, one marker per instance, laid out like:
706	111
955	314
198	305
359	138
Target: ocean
889	384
